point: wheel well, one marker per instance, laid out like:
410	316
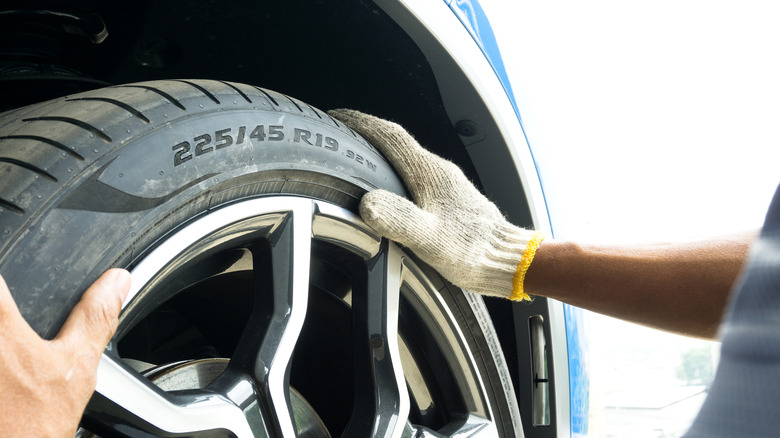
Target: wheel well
329	54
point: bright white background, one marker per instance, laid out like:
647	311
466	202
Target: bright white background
650	121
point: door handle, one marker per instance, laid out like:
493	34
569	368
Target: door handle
540	399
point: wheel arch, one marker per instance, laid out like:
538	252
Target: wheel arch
412	61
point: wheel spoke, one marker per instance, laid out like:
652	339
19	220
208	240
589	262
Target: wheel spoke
250	395
382	402
128	403
266	346
474	427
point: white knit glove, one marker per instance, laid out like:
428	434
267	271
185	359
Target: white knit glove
452	227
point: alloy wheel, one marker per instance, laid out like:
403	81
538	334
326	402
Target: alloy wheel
284	317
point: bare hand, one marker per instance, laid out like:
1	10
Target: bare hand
45	385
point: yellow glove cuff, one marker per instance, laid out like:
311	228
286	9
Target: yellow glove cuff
519	278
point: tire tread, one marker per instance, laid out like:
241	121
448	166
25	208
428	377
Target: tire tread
25	165
48	141
115	102
265	92
202	89
238	90
163	94
75	122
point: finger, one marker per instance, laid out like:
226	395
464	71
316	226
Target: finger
396	218
419	168
93	321
393	141
7	303
11	318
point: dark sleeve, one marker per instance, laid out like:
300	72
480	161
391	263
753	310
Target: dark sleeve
744	400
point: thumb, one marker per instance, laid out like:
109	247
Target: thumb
9	313
395	218
94	320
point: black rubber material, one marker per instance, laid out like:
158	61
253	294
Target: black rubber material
93	180
90	181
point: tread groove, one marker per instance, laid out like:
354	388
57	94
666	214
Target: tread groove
122	105
11	207
335	121
71	121
29	167
315	111
167	96
293	102
49	141
237	91
267	95
201	89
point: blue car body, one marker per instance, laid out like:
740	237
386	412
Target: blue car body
474	19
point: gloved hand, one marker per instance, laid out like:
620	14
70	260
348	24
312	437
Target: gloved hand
452	227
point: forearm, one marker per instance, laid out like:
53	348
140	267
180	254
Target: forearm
460	233
681	288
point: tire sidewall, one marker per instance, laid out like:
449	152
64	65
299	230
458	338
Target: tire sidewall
160	175
155	177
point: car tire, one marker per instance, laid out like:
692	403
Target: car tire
202	189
